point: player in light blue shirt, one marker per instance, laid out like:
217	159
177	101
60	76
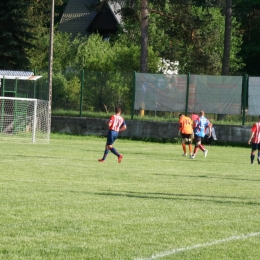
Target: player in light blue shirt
200	125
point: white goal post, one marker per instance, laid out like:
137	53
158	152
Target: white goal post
25	120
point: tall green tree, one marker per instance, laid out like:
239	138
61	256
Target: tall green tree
39	14
109	68
227	38
248	13
15	35
192	35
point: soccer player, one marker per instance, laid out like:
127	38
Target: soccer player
115	124
186	131
254	140
200	124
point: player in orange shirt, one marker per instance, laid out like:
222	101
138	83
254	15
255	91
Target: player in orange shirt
186	131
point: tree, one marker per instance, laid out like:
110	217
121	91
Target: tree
251	47
15	35
227	38
192	35
144	36
24	27
38	14
248	12
109	71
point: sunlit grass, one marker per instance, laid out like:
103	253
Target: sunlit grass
59	202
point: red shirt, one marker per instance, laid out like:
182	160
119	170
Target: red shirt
116	122
256	129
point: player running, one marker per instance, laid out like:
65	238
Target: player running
186	131
255	141
116	124
200	124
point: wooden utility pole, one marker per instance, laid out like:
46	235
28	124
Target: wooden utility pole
50	63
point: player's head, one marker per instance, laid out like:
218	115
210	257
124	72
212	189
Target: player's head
180	115
202	113
117	109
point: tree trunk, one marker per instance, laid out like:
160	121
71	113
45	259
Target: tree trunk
227	39
227	43
144	36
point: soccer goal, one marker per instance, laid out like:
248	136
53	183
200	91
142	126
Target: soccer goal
25	120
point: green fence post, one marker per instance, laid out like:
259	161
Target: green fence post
187	93
2	115
133	97
244	97
15	88
81	92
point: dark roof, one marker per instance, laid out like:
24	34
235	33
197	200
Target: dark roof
77	18
104	24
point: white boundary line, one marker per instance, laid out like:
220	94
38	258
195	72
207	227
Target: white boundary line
177	250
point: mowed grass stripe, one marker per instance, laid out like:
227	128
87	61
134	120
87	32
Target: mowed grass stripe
59	202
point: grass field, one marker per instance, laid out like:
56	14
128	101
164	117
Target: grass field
58	202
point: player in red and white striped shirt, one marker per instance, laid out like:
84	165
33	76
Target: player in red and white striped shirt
255	141
116	124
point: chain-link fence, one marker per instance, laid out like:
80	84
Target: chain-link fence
25	88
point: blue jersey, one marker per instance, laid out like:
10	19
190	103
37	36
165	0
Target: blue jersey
200	126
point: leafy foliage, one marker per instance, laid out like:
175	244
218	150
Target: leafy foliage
38	13
249	15
108	71
24	33
189	31
192	35
15	35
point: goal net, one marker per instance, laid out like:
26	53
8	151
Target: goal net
25	120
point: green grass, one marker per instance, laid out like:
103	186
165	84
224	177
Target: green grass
58	202
159	117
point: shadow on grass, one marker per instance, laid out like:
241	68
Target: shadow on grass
209	177
185	197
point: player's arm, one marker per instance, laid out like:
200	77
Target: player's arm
110	121
180	127
251	136
253	130
122	128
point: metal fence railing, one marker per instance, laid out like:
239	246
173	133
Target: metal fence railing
95	91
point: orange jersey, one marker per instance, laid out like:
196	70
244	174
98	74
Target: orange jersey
185	125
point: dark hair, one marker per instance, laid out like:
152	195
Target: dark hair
180	115
118	109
